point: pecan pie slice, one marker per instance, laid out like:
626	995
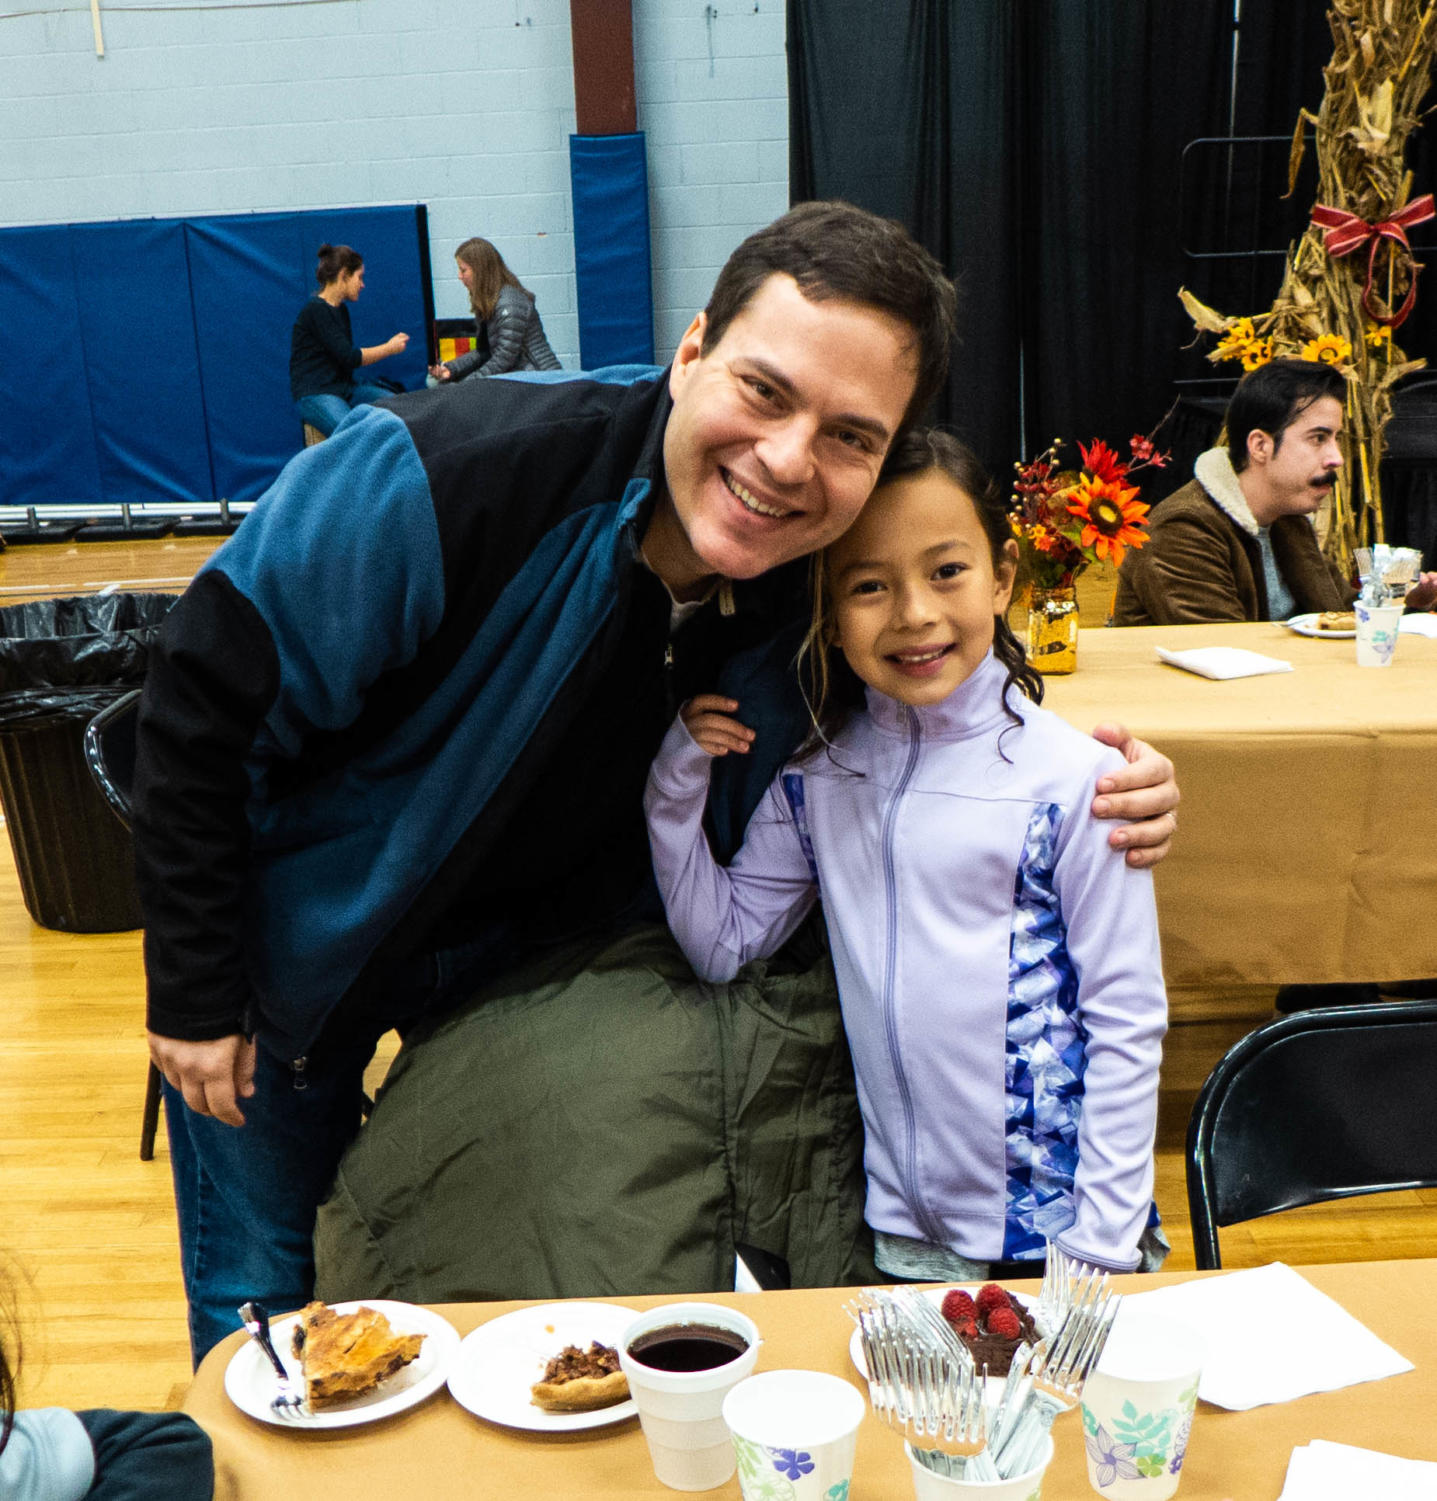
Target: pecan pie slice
578	1380
347	1355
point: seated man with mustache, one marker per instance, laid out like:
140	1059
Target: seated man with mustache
1237	542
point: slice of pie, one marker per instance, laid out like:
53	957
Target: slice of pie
347	1355
578	1380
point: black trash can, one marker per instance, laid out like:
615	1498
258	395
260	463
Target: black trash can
61	662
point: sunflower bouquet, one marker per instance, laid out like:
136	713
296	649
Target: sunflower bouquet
1066	519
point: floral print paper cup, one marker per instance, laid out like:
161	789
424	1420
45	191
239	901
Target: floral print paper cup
794	1433
1138	1407
1377	627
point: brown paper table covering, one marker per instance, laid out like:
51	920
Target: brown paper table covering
440	1452
1308	844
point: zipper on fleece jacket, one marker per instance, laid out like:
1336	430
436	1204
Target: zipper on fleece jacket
932	1231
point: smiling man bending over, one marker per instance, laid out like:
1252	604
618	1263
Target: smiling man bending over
395	738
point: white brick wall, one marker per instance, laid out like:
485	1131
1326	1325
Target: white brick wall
713	106
464	105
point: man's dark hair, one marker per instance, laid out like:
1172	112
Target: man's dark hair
1273	397
834	250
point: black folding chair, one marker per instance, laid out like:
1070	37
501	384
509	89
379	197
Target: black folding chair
1321	1105
110	755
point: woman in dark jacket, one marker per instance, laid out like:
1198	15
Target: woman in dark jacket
322	353
504	310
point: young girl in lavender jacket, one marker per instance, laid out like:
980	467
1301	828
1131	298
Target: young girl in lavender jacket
997	964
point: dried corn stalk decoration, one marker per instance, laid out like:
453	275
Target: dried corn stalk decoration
1351	279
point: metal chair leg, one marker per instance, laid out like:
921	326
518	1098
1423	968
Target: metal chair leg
152	1115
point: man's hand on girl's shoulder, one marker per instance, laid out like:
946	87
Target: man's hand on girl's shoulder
1144	791
708	717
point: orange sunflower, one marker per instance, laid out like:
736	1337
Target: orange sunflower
1112	517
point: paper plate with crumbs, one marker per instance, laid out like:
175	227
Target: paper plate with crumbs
1311	625
251	1384
499	1363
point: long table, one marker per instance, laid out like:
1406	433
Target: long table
1308	843
440	1452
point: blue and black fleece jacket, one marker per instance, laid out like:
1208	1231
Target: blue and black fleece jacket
423	681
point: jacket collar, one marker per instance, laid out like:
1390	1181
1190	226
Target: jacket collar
972	707
1216	475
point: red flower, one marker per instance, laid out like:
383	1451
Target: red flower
1145	451
1103	463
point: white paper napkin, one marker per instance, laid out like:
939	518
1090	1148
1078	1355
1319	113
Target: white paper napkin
1323	1471
1272	1336
1223	661
1418	625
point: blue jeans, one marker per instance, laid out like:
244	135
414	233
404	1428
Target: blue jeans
247	1197
327	412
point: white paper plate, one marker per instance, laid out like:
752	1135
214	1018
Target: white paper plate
251	1383
1306	625
499	1362
935	1295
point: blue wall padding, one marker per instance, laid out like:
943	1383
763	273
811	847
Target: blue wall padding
149	359
141	364
47	440
609	176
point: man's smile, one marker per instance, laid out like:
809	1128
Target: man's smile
749	500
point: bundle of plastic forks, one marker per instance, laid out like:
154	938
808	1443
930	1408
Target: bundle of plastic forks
1058	1367
922	1383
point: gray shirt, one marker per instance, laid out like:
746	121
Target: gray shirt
1280	603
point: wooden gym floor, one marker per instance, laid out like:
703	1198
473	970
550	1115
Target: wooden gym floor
89	1228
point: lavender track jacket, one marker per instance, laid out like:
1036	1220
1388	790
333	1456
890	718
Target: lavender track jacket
998	965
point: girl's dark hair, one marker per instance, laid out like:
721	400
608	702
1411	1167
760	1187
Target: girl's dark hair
9	1357
336	261
831	686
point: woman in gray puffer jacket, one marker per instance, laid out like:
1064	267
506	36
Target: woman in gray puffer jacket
504	311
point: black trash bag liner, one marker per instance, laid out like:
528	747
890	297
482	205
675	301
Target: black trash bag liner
68	658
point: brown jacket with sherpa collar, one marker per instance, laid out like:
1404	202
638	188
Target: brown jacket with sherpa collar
1202	561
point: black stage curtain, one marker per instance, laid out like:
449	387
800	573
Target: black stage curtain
909	111
1061	158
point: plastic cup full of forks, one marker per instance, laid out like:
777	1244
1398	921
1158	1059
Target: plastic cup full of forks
935	1485
1138	1407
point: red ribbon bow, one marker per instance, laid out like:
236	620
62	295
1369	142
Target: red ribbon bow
1344	233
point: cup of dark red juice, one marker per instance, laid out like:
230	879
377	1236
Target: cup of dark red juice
682	1359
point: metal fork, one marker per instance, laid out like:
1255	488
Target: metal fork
256	1322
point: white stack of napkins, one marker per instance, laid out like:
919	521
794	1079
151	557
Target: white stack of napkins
1418	625
1321	1471
1223	661
1272	1336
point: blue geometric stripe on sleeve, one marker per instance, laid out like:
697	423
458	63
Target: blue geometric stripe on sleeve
1045	1052
792	782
